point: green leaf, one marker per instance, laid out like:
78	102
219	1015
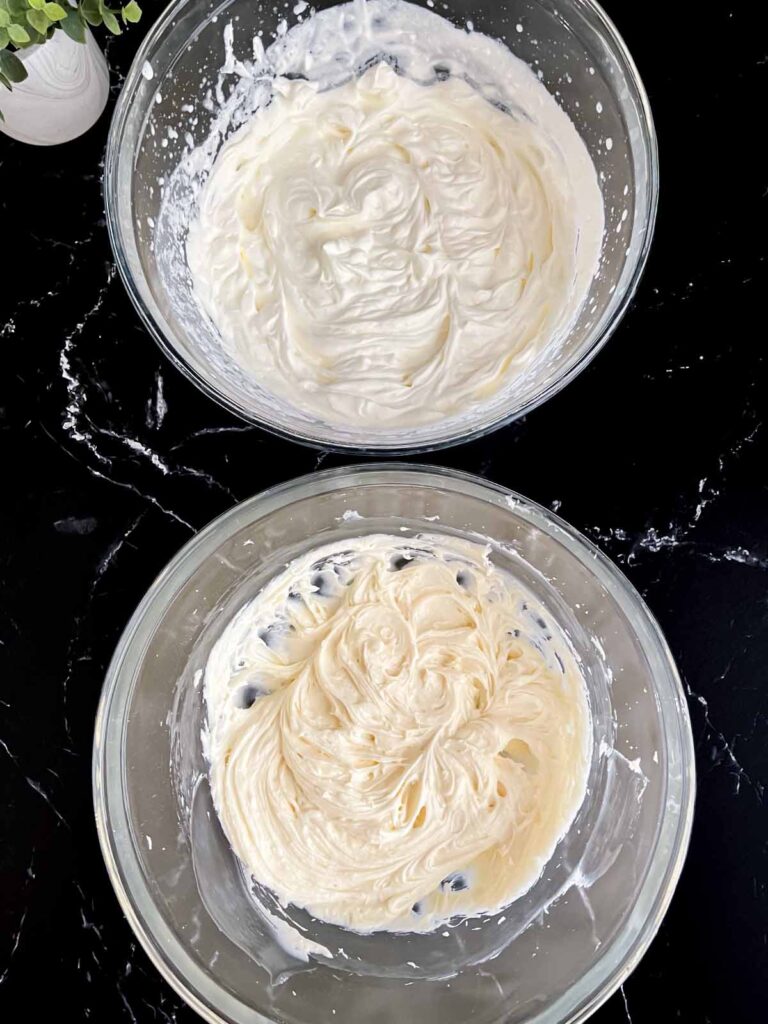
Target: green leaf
11	67
55	12
5	18
90	11
18	34
4	38
131	12
17	8
74	26
36	5
4	81
111	22
38	21
35	37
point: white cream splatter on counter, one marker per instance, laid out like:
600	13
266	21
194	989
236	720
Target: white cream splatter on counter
387	252
398	733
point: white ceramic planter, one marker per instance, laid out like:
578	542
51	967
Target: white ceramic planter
64	94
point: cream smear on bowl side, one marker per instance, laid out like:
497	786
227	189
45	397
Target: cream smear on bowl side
394	236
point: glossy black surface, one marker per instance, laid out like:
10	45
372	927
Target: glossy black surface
111	460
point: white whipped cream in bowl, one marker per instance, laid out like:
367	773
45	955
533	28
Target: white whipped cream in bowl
385	253
372	226
392	743
397	735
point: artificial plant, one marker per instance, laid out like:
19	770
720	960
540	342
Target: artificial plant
26	23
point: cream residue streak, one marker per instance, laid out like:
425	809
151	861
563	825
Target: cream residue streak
391	253
398	733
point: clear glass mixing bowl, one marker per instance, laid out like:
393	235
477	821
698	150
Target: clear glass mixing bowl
166	105
552	956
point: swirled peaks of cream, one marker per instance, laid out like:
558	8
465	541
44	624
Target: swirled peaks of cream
398	733
392	252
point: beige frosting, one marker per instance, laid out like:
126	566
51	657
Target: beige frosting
398	733
391	253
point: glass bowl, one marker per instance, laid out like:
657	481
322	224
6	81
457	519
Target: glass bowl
552	956
167	104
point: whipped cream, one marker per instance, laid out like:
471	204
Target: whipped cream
398	733
393	250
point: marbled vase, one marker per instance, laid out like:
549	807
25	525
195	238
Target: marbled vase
64	94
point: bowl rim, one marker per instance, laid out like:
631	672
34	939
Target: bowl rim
599	335
168	955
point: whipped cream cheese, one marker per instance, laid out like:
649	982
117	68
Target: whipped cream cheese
398	733
392	252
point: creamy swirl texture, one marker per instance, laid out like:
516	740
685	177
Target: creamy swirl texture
398	733
387	252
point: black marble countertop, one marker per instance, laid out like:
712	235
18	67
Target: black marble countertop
658	451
